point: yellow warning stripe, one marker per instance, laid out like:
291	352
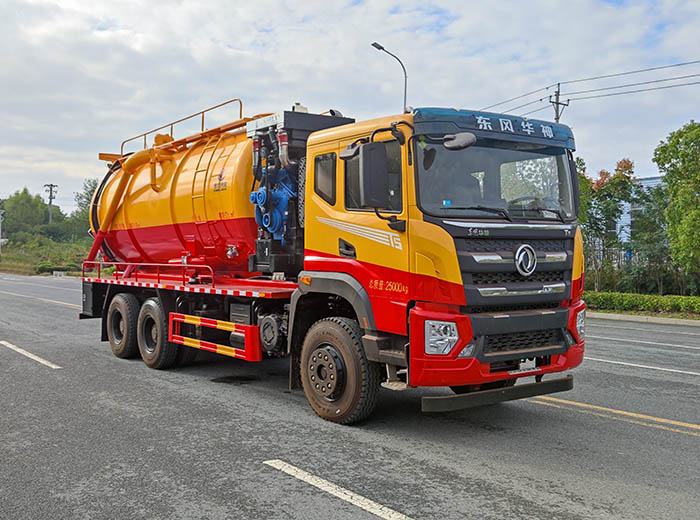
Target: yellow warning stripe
220	325
220	349
190	342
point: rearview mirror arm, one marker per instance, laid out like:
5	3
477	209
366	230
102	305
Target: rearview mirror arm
394	223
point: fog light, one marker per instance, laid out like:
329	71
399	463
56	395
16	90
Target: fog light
581	324
440	337
468	350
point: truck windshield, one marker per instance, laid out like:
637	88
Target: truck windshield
494	179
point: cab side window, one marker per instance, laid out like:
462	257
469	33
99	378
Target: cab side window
324	177
352	180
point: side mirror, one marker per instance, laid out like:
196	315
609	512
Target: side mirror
459	141
374	176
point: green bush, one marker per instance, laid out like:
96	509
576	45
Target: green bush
44	267
614	301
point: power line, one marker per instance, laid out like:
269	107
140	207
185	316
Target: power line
588	79
523	105
517	97
630	85
631	72
533	111
617	94
635	91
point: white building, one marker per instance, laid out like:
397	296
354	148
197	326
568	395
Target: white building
625	221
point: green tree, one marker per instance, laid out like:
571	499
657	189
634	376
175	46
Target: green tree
83	198
79	220
678	158
24	213
648	236
585	189
604	199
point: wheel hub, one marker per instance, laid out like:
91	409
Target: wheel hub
118	327
326	371
150	335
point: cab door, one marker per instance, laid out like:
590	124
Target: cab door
342	236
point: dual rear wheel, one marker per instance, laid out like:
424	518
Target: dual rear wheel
134	329
340	384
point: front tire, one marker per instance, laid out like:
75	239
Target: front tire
122	317
157	352
339	383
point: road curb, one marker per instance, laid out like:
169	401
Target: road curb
642	319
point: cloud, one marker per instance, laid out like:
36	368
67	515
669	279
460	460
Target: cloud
78	77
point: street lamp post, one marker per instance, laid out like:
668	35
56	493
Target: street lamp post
405	76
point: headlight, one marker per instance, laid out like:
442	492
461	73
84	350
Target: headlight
440	337
581	324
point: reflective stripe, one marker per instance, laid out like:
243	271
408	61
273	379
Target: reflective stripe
504	291
508	225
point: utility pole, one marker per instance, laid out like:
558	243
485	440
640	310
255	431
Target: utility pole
557	104
50	188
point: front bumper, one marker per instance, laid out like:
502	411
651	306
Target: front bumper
450	403
450	370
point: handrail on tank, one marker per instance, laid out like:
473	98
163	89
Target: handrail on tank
171	125
134	268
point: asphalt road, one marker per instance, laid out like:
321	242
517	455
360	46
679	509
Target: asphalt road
102	437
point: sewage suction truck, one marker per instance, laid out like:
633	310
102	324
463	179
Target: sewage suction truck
434	248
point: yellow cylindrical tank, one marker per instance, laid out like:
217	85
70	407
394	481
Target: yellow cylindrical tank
181	200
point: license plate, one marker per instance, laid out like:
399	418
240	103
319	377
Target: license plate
529	365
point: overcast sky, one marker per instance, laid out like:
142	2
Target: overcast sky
77	77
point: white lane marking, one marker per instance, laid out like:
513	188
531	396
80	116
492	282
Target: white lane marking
656	331
625	340
55	302
642	366
29	355
42	285
355	499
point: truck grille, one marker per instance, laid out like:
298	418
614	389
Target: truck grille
476	309
479	274
515	341
482	245
512	277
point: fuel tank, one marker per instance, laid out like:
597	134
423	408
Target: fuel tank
188	200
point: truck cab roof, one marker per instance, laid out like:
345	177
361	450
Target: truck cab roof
491	125
434	120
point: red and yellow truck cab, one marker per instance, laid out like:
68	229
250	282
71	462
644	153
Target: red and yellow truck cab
435	248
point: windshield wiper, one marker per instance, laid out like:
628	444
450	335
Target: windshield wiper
488	209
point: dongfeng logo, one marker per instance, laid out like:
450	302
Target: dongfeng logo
525	260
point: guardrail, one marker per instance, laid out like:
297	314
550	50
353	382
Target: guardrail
124	270
172	124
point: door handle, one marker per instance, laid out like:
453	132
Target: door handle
346	249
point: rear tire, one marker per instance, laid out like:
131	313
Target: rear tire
339	383
468	389
152	333
122	318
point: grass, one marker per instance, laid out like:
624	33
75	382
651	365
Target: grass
41	254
